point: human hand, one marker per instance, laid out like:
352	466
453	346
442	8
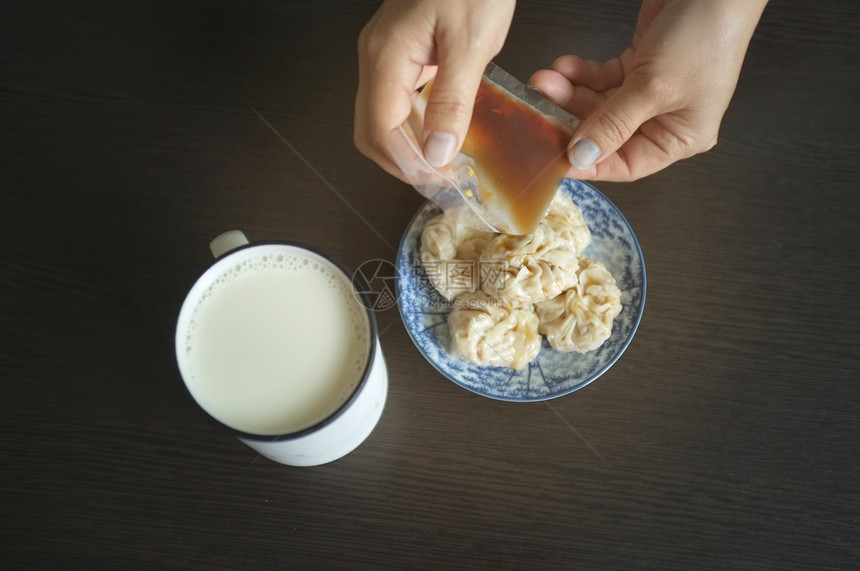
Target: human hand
404	45
664	98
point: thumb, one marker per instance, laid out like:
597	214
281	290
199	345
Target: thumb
449	108
609	127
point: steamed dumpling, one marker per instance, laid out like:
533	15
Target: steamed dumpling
450	253
581	318
522	270
488	333
565	218
507	291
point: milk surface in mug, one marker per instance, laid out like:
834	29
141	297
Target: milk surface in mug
277	342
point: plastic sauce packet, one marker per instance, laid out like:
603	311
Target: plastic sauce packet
512	161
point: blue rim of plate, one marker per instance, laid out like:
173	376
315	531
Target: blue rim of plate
551	374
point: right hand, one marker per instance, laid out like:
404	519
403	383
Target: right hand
404	45
664	98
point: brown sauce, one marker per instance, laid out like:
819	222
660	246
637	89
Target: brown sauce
520	156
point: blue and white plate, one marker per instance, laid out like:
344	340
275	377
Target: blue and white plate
552	374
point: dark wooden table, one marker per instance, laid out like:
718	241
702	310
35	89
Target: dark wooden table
131	133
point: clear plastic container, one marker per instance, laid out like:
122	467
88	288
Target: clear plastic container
512	161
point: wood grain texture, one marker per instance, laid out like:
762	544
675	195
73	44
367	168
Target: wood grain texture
726	436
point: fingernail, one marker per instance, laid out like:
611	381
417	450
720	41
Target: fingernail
440	148
583	154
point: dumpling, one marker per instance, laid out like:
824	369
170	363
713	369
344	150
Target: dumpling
565	218
488	333
522	270
450	252
581	318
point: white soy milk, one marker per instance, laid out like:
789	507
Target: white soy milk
277	341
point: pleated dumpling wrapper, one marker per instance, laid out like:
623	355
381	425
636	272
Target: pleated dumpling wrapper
488	332
450	252
580	319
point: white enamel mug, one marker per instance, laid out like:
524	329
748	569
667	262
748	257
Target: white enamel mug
277	344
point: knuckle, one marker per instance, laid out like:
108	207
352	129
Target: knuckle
449	105
365	38
360	143
710	143
369	45
659	88
697	145
372	40
663	91
615	126
368	142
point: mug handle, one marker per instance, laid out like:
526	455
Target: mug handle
227	242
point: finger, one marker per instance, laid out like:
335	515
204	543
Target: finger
576	99
650	150
449	106
593	74
637	158
383	101
373	132
610	126
465	40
